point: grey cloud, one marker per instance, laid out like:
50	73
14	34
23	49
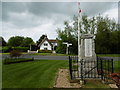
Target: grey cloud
48	9
26	15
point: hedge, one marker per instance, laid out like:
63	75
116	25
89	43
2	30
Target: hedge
22	49
16	60
44	51
5	49
8	49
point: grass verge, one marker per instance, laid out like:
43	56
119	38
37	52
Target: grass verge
94	84
36	74
109	55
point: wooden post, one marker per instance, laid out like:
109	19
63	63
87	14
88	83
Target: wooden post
70	67
101	68
112	66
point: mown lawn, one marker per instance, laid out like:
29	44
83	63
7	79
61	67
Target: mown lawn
94	84
34	74
109	55
116	65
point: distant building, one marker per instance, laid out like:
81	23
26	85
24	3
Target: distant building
48	44
45	44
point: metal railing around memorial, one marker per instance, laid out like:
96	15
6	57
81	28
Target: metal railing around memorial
100	68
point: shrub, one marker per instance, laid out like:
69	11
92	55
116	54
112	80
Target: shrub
5	49
15	53
44	51
22	49
16	60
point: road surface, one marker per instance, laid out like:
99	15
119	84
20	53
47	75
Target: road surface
40	57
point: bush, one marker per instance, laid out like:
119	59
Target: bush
44	51
9	49
15	53
16	60
22	49
5	49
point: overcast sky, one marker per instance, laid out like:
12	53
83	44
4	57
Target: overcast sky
32	19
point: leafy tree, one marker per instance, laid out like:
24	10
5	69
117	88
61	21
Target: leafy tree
27	41
106	30
15	41
2	41
66	35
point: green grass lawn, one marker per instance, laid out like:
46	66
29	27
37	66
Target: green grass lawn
95	84
109	55
45	54
116	65
35	74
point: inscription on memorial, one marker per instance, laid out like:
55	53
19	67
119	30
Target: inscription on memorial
88	47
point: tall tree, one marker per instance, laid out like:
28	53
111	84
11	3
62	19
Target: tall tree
2	41
66	35
27	41
15	41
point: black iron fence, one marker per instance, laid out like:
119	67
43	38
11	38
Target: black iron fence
105	68
100	68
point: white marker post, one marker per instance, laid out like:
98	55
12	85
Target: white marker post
67	49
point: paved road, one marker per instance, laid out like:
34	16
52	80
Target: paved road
51	57
40	57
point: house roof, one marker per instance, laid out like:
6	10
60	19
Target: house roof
44	40
52	41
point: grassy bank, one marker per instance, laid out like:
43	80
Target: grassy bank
36	74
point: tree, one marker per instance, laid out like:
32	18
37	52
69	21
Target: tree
66	35
2	41
27	41
106	30
15	41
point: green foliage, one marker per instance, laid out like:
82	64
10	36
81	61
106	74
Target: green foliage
2	41
44	51
66	35
106	30
61	48
8	49
27	42
15	41
5	49
22	49
15	53
16	60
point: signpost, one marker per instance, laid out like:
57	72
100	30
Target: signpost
67	49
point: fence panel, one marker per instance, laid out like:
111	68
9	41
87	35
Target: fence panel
85	69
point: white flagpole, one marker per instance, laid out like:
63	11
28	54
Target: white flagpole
79	33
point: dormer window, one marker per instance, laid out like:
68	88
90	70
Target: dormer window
45	44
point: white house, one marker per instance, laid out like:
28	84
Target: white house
47	44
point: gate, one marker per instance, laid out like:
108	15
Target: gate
90	69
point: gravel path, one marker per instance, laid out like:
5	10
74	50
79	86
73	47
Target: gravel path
62	80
